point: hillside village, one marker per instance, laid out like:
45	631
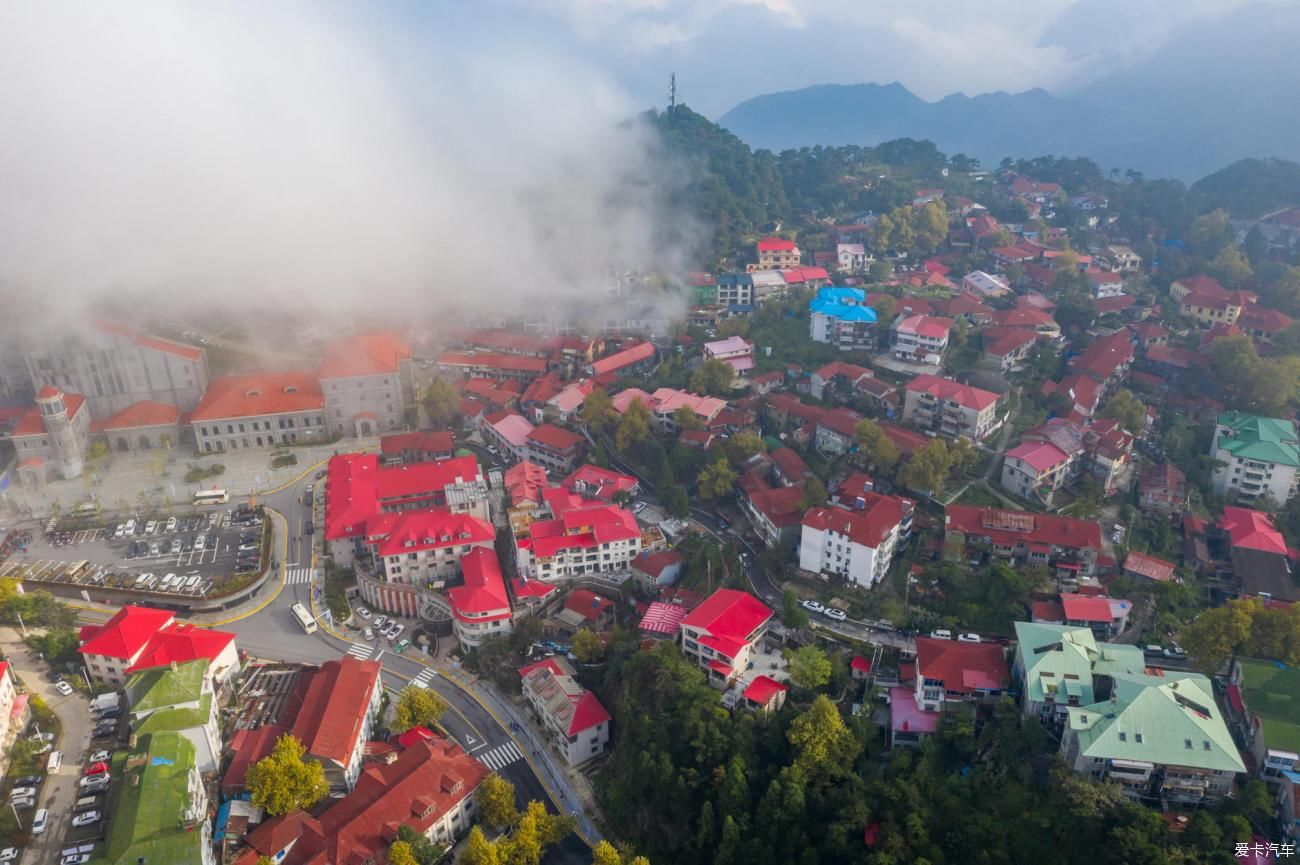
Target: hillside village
948	477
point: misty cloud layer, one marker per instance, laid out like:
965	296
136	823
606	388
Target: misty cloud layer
245	151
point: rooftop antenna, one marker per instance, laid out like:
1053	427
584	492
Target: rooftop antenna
672	94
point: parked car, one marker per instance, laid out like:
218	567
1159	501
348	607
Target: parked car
941	634
968	638
814	606
40	822
63	688
86	818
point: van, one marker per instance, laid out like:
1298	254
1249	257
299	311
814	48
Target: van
54	762
86	802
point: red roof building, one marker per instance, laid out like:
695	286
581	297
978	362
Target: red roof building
142	638
480	606
723	631
955	670
339	705
429	787
365	355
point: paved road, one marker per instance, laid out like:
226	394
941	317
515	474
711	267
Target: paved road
58	793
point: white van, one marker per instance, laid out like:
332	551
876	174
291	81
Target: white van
54	762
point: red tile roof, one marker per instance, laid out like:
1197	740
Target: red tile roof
428	779
484	590
1080	608
554	438
867	526
1149	567
962	667
775	244
259	394
126	634
623	359
947	389
334	708
1008	528
729	614
1253	530
142	414
763	689
370	354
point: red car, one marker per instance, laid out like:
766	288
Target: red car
96	769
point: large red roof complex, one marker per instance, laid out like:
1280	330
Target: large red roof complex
483	596
730	615
947	389
370	354
1008	528
1253	530
962	667
429	778
258	394
334	708
360	489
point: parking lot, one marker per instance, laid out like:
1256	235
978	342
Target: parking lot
187	555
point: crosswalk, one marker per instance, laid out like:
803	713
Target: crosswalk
424	678
361	651
500	756
298	576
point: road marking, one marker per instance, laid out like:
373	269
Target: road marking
500	757
298	576
360	650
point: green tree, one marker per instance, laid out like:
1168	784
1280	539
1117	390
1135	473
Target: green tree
441	402
284	782
633	427
587	646
823	745
400	853
793	615
417	707
713	378
479	850
716	481
1130	411
597	410
809	667
496	801
874	447
927	468
1216	635
1229	267
686	418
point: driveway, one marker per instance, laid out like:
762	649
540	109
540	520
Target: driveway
58	793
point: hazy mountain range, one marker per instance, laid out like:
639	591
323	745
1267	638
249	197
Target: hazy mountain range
1216	92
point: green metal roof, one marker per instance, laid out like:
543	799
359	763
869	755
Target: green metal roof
1264	439
164	687
149	803
176	720
1174	717
1272	692
1050	653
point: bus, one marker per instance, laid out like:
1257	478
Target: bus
304	618
211	497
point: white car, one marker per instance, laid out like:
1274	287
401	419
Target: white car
85	819
941	634
99	757
363	613
814	606
837	615
63	688
968	638
40	822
